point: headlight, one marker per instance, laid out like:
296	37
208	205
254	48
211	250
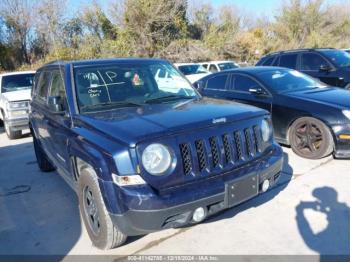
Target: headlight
346	113
156	159
266	130
17	105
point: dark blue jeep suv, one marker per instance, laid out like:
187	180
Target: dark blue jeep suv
142	149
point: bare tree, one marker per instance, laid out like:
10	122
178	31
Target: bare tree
18	20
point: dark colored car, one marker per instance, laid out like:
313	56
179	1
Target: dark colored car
331	66
306	114
142	159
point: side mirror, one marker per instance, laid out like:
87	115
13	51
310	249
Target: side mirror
325	68
199	85
55	104
257	91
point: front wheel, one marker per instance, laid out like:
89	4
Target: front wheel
12	134
102	232
310	138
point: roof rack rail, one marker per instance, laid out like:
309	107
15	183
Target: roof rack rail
298	50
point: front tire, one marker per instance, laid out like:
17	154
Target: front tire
102	232
12	134
310	138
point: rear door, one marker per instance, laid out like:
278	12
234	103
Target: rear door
38	107
311	64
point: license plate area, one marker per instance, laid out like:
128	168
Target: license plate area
242	189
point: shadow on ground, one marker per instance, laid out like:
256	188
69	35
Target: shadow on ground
39	212
334	239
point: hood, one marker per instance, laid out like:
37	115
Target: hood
330	96
196	77
133	125
17	95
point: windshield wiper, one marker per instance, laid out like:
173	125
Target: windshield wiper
113	104
168	98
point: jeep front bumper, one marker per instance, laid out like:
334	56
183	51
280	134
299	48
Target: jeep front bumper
139	219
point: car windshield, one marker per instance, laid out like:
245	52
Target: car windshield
227	66
192	69
338	57
129	84
282	81
18	82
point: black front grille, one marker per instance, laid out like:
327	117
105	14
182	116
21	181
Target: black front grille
214	151
222	151
186	158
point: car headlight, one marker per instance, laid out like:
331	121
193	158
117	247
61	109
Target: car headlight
17	105
346	113
156	159
266	130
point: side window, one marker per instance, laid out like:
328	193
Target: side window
213	68
57	86
289	61
243	83
205	66
269	61
312	62
43	84
217	82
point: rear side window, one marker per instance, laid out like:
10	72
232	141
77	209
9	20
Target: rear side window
312	62
268	61
289	61
217	82
243	83
43	85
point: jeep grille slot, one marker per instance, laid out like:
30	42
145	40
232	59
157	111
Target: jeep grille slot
214	151
202	162
248	143
227	148
186	158
237	137
257	139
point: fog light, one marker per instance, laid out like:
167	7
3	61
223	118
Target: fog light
265	185
199	214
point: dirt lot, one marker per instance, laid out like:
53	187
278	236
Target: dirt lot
307	213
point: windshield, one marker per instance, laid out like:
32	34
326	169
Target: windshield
288	81
18	82
132	84
227	66
338	57
192	69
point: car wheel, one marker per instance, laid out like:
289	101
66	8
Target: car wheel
102	232
310	138
41	158
12	134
